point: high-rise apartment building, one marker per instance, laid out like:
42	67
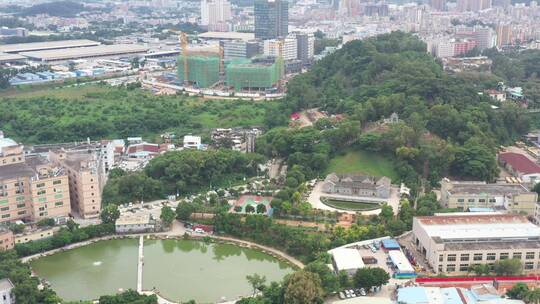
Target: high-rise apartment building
473	5
85	172
504	34
271	19
31	188
438	5
305	45
215	14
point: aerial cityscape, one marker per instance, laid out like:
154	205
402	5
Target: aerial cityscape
269	151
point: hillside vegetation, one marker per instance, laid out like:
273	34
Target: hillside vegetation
446	127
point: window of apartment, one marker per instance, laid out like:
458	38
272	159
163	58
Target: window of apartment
492	200
491	266
440	268
21	212
460	200
58	203
441	258
19	198
41	192
58	195
463	267
4	209
450	268
478	256
529	265
471	200
490	256
43	214
41	208
20	205
517	255
451	258
5	215
2	193
19	184
503	256
482	200
529	255
40	185
42	199
464	257
57	182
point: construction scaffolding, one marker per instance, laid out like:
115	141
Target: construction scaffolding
252	76
203	69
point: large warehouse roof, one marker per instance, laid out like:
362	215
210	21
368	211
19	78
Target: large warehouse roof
49	45
347	259
496	226
85	52
227	35
10	57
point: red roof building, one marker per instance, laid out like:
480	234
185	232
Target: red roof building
520	166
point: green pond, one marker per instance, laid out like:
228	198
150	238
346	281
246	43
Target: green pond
179	269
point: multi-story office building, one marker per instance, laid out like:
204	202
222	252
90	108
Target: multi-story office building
31	188
453	242
239	49
462	195
438	5
271	19
288	48
85	172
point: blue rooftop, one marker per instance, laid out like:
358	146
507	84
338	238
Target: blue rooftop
412	295
390	244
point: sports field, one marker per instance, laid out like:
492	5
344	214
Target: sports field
360	161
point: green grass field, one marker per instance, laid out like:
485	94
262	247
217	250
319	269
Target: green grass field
348	205
359	161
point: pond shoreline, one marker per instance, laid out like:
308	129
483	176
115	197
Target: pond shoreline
274	253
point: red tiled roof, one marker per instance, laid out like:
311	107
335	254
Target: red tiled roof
143	147
519	162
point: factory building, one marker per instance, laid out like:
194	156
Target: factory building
84	52
463	195
49	45
452	243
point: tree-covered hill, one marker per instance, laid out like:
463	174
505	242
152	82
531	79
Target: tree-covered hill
446	127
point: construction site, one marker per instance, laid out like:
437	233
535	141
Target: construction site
206	68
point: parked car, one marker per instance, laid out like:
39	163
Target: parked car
341	295
363	292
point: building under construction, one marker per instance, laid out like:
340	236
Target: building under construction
253	75
203	69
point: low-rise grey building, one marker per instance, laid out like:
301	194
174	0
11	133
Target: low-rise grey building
357	185
135	223
6	292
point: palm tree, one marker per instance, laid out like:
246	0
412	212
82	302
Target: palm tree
532	296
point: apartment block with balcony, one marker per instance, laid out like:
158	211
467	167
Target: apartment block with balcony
85	172
31	188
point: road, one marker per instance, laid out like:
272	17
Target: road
315	200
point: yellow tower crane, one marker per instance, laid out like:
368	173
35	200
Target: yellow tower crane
280	63
182	37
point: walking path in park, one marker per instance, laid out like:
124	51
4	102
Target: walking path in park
140	263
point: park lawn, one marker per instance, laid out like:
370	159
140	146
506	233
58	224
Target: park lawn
360	161
57	91
348	205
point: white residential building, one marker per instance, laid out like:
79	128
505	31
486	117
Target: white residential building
192	142
289	48
215	12
6	295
